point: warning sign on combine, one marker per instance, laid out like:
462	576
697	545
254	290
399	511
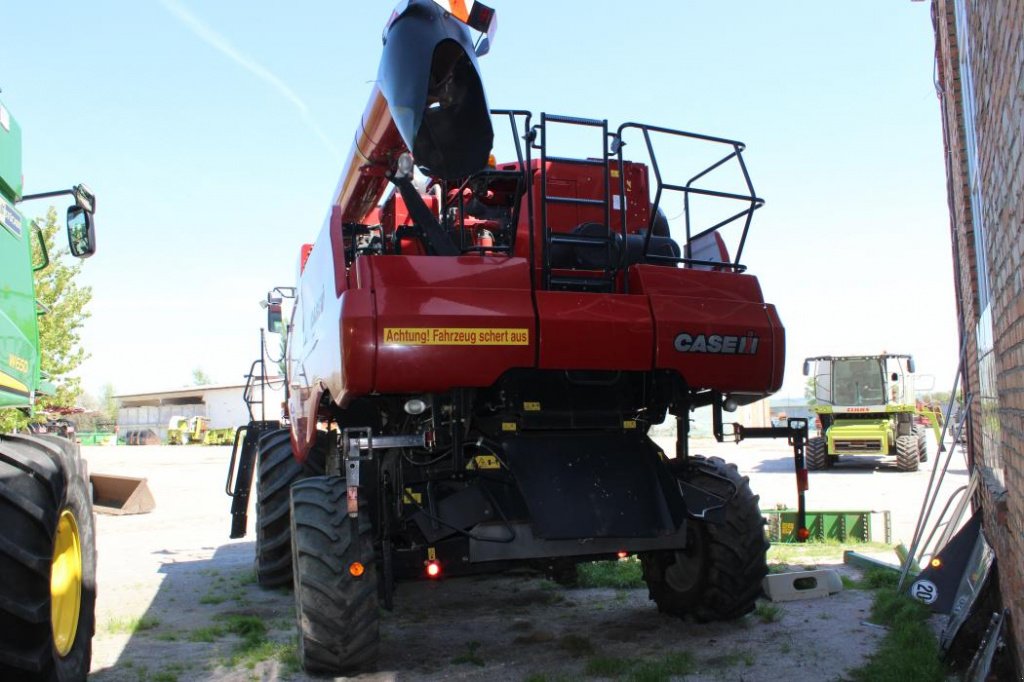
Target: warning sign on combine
456	336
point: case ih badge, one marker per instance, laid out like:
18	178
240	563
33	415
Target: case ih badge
717	343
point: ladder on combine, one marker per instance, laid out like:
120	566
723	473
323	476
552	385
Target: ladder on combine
589	237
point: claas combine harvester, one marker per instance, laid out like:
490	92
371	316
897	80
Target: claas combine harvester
473	363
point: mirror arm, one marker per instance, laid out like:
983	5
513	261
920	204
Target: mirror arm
83	197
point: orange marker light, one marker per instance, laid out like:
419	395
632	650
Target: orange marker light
433	569
936	562
356	569
623	555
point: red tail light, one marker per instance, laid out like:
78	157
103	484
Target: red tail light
433	569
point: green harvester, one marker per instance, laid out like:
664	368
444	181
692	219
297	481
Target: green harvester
47	548
866	405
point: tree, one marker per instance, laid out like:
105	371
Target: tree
200	378
108	404
58	292
809	391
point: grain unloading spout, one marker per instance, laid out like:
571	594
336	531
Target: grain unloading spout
120	495
428	99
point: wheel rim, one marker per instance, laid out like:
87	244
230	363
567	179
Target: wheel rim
66	583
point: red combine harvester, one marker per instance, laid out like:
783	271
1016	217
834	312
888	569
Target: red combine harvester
474	364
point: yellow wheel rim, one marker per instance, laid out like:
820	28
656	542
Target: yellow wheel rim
66	583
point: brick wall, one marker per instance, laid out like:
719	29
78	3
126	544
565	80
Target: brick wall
992	37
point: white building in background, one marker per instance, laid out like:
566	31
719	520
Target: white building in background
224	405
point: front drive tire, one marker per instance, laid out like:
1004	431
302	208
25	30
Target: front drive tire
277	471
718	575
906	453
47	560
337	612
815	456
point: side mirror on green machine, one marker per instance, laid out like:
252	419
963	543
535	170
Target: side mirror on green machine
81	233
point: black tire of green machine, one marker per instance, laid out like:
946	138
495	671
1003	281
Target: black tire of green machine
906	453
815	456
277	471
731	555
40	478
338	615
922	443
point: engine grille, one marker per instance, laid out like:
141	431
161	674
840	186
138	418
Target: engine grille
864	446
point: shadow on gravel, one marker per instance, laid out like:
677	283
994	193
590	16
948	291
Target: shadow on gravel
208	620
848	465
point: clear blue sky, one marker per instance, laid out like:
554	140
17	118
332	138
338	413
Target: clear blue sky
212	135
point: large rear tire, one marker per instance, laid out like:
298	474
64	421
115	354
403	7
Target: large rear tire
815	456
336	609
47	560
277	472
906	453
718	575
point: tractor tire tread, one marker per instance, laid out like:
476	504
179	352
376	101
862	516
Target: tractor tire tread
815	455
736	554
907	454
42	477
338	615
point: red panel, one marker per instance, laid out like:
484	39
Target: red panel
436	297
594	331
358	347
698	283
714	328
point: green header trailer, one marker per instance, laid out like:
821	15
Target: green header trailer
47	549
866	406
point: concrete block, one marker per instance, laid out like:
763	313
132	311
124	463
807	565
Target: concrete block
802	584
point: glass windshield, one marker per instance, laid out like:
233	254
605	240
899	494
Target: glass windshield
858	382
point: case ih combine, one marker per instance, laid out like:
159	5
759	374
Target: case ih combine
473	364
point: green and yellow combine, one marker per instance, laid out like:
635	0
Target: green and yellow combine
866	406
47	551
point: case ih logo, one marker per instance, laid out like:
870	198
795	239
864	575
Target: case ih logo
717	343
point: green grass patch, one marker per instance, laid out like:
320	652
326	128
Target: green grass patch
130	626
607	666
207	635
250	629
637	670
663	670
285	652
616	573
767	612
576	646
827	551
470	656
246	578
909	651
213	598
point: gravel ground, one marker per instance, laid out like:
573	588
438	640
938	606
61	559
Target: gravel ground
170	580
